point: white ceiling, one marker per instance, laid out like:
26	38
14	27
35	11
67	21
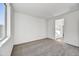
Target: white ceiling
43	10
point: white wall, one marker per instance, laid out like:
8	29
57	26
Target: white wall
51	28
6	49
28	28
71	28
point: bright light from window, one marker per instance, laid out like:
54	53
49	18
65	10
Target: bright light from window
2	21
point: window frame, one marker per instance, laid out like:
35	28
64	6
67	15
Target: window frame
8	24
5	26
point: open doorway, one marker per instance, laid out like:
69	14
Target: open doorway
59	29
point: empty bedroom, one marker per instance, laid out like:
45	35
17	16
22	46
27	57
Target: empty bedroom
39	29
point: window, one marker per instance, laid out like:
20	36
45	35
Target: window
3	21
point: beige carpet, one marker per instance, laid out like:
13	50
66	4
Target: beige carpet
45	47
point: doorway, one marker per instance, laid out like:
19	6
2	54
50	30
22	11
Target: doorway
59	29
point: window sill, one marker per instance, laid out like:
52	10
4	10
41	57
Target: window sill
4	41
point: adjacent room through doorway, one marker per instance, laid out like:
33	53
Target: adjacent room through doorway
59	29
